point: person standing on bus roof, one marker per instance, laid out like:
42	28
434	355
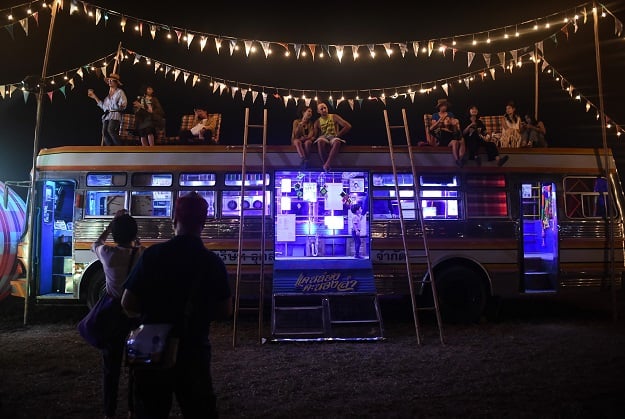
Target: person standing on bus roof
113	105
149	116
180	279
329	129
116	262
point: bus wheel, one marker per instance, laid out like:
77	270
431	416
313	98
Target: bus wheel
461	295
96	288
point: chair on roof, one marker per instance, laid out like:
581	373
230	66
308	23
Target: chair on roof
187	122
128	134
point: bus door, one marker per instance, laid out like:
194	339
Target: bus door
54	239
539	232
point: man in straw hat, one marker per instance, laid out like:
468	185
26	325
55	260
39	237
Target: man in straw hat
113	106
446	129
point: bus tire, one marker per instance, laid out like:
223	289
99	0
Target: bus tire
96	288
461	294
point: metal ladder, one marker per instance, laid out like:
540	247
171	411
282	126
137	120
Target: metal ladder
261	284
410	257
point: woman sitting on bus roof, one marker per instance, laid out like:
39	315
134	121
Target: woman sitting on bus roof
446	129
475	136
533	134
511	131
302	135
204	128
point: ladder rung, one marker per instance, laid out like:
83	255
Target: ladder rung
426	308
354	321
397	126
293	308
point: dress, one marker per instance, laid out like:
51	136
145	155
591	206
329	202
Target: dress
113	105
115	262
511	131
149	122
165	276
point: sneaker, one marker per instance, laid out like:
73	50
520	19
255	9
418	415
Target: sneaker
502	161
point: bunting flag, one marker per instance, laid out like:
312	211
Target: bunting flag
285	100
248	47
587	106
264	98
565	31
486	59
24	24
445	87
176	73
2	91
185	76
265	46
36	17
430	47
233	92
122	23
360	102
307	101
312	50
50	94
355	51
298	48
338	101
79	72
515	54
153	31
157	65
387	47
383	99
26	95
243	93
11	90
203	40
470	56
350	102
371	48
326	49
339	52
222	87
254	95
618	27
402	49
178	35
453	54
167	70
218	44
492	73
140	28
585	14
502	59
233	44
415	48
215	87
466	82
71	84
411	95
98	16
331	102
190	37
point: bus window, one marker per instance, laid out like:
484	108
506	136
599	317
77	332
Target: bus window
440	197
104	203
487	196
151	203
252	203
197	179
152	179
251	179
209	197
106	179
585	197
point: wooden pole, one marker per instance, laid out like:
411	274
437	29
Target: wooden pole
535	82
33	189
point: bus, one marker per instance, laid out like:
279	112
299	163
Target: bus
547	222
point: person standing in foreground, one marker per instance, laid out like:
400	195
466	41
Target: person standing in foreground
113	105
329	128
116	262
165	277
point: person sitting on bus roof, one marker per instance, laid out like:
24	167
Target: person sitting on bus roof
475	136
203	129
329	129
302	135
446	129
533	134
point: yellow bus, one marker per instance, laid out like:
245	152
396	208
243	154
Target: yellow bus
548	221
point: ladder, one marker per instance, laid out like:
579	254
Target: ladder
410	257
261	282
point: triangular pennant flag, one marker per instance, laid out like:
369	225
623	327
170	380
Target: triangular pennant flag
453	54
312	48
196	79
286	99
587	106
190	37
98	15
297	48
565	31
254	95
502	59
575	26
218	44
10	29
554	38
185	76
103	70
222	87
157	65
233	92
167	70
585	14
355	51
415	47
36	17
11	90
351	103
544	66
360	102
79	72
243	93
176	74
383	99
515	54
215	87
339	100
331	102
26	94
203	40
233	44
445	87
122	23
339	52
486	59
326	49
265	46
84	7
402	49
153	31
430	47
443	49
618	27
178	34
571	90
248	47
50	94
137	59
307	101
284	45
411	94
387	48
140	28
24	23
70	82
2	91
264	98
492	73
467	81
470	56
371	48
539	47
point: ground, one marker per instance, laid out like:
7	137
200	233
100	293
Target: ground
540	358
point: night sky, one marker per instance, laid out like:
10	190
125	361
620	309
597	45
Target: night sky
74	119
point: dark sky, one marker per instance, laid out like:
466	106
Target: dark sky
74	119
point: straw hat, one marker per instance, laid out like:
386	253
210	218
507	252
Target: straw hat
114	76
